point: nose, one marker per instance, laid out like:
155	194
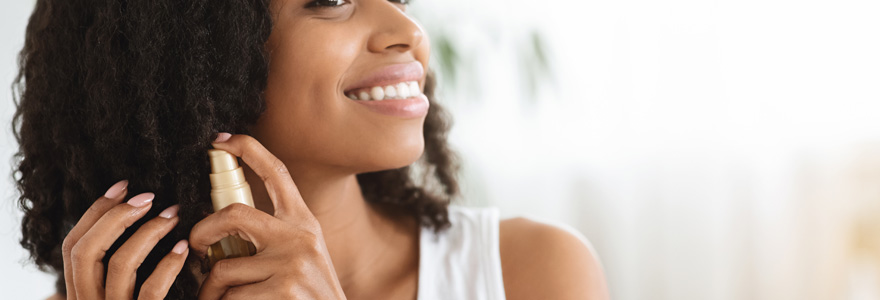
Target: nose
395	29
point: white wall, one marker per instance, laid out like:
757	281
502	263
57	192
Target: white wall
708	149
18	279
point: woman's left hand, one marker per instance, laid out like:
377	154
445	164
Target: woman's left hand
292	261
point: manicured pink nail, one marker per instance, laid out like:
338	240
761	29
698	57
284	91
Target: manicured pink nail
170	212
180	247
116	190
222	137
141	200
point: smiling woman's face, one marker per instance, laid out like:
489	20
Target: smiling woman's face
321	51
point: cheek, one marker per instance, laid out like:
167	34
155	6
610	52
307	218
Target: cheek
306	69
302	91
309	119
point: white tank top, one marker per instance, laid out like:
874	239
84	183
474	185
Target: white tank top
463	261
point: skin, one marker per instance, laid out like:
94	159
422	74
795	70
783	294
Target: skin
301	162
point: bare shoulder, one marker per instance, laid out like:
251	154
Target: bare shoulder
544	261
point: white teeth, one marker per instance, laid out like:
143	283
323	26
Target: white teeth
377	93
403	90
390	92
414	88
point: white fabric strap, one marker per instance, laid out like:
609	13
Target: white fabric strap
462	262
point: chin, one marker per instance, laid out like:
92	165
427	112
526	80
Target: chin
395	157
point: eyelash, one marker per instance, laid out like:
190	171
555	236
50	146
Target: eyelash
316	3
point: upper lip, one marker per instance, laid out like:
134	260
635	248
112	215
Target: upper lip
387	75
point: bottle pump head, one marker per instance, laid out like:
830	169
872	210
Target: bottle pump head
228	184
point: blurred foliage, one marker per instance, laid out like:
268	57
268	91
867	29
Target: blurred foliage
536	66
456	61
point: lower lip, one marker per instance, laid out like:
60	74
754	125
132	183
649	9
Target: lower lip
413	107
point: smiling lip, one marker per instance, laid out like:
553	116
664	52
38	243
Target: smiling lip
412	71
412	107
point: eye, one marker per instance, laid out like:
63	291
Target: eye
327	3
336	3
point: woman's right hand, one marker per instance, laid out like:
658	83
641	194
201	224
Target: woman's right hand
88	242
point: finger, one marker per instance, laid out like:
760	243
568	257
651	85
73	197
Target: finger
282	191
86	255
112	197
258	292
247	222
157	285
231	272
123	265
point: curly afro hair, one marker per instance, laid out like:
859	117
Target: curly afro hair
137	89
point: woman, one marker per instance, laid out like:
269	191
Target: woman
131	94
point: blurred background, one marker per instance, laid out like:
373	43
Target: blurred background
707	149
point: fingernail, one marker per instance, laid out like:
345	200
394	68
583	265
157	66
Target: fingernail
141	200
170	212
222	137
180	247
116	190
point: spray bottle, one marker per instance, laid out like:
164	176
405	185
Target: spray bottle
228	186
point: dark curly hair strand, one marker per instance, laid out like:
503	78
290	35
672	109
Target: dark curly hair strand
137	89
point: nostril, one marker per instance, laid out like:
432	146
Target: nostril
403	47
